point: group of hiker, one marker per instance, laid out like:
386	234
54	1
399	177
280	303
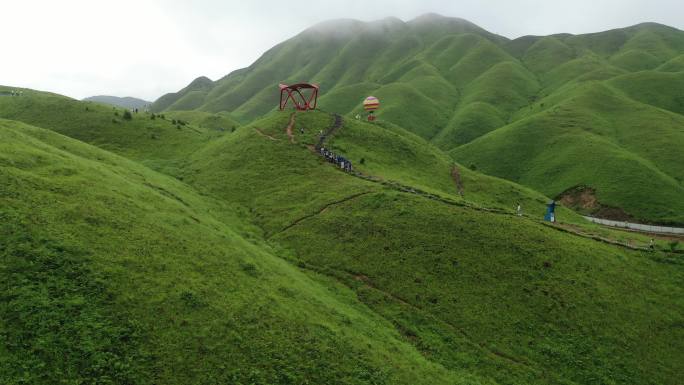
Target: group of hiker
338	160
14	93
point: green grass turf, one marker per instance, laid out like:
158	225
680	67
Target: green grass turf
181	272
250	260
157	142
539	305
367	237
629	153
112	273
219	122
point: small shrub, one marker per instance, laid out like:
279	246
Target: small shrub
232	129
178	127
163	117
362	161
127	115
673	245
152	117
173	121
116	113
473	167
114	120
87	109
191	300
250	269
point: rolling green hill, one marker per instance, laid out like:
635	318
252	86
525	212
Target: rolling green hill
159	141
125	102
152	283
261	263
468	91
210	243
452	286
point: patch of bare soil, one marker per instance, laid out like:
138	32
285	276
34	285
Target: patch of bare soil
583	199
456	176
290	128
613	213
580	197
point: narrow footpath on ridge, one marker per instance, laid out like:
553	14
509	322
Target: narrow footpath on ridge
320	211
265	135
337	124
289	130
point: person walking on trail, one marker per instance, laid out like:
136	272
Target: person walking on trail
519	210
651	244
301	130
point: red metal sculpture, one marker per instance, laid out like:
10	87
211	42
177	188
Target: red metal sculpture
299	99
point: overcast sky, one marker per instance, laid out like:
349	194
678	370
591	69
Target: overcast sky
145	48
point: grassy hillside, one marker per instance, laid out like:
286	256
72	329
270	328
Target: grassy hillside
473	305
157	140
521	304
204	120
267	265
630	154
137	279
453	83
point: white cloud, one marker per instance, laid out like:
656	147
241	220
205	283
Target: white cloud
146	48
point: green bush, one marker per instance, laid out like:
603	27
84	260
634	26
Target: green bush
127	115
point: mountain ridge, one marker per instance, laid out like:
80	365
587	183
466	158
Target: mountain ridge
452	82
124	102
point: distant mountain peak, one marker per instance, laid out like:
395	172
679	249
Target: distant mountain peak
123	102
201	81
432	17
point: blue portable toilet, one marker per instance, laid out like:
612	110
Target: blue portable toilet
550	212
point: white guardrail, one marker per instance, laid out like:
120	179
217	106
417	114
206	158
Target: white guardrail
637	226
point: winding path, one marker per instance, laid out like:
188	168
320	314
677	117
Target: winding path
265	135
290	128
337	124
321	211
